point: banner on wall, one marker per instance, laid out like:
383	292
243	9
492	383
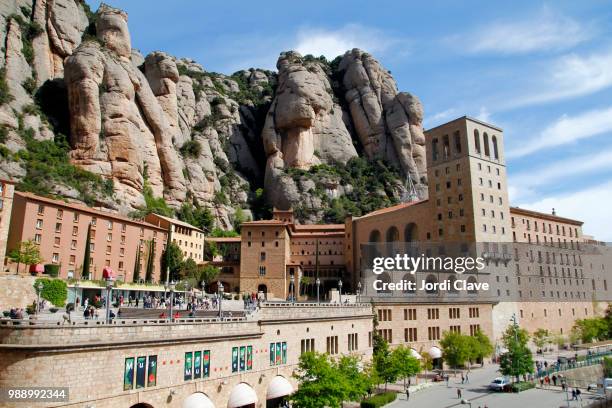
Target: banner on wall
206	364
284	352
278	353
152	370
249	358
234	359
197	364
141	368
242	358
128	374
188	365
272	353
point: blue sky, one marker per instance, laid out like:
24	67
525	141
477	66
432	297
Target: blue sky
541	71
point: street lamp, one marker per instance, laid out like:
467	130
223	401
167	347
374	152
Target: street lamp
318	282
203	285
39	288
76	294
340	290
171	287
220	292
359	292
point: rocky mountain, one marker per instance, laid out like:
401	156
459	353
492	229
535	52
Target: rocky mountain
86	117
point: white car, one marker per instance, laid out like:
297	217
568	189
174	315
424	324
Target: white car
499	384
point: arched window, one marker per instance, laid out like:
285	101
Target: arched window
430	280
485	141
393	234
411	232
410	278
495	151
374	236
385	278
477	141
434	149
457	141
446	147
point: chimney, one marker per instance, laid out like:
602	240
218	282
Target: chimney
554	212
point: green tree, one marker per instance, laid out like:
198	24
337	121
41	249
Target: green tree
136	274
53	290
189	269
480	346
385	369
87	254
455	349
238	218
591	329
197	216
27	253
172	260
321	383
150	261
518	360
153	204
359	379
208	273
540	338
405	363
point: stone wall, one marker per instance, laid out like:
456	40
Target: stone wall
16	291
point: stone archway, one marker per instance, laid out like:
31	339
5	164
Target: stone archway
278	391
142	405
198	400
242	395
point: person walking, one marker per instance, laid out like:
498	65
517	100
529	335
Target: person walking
407	394
462	378
578	394
467	378
459	393
447	378
554	380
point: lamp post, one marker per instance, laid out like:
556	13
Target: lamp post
220	291
108	275
39	288
76	294
359	292
203	284
109	289
340	290
171	287
166	289
515	325
318	282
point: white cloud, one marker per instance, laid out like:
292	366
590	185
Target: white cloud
523	185
331	43
544	32
566	130
590	205
570	76
484	114
440	117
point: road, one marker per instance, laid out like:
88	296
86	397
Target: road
476	392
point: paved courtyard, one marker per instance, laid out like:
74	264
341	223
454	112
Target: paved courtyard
476	392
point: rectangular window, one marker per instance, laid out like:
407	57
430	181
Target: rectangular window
41	209
39	224
433	333
332	345
410	334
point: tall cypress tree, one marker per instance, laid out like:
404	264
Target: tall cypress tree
149	275
137	265
87	255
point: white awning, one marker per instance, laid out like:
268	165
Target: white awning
242	395
415	354
279	387
435	352
198	400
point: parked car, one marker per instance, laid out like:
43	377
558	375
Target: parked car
499	384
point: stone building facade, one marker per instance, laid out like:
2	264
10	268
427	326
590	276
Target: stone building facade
72	356
61	230
189	238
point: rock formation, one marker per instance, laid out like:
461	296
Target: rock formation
389	124
196	137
